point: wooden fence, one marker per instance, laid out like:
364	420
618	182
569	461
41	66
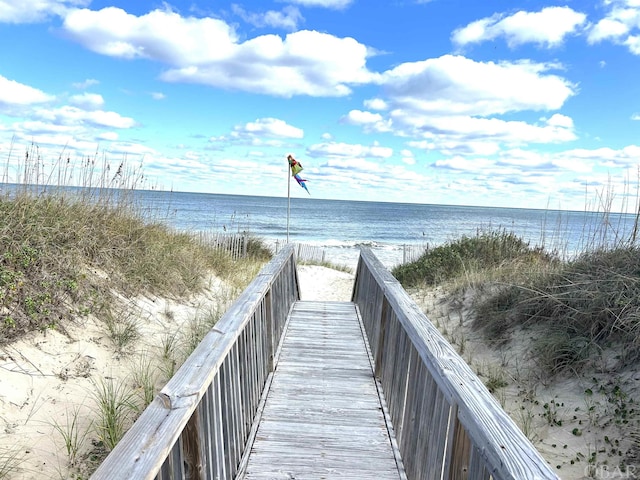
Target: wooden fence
313	253
237	245
234	243
304	252
447	424
197	426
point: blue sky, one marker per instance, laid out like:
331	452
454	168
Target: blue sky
501	103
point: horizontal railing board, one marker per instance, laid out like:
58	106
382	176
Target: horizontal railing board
505	449
155	436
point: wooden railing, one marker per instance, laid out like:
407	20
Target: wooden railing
447	424
198	425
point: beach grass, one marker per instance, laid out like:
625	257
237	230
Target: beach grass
65	253
584	306
116	406
73	433
565	326
497	250
10	461
75	243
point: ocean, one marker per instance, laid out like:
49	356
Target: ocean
339	227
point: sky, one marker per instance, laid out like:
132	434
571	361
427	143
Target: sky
502	103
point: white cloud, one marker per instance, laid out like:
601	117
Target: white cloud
408	157
89	82
263	132
378	151
358	117
288	18
608	157
333	4
268	127
464	164
158	95
620	25
458	85
607	28
370	122
475	32
37	128
517	165
15	93
454	105
33	11
109	136
114	32
465	135
351	151
421	144
548	27
69	115
87	101
304	63
207	51
633	42
561	121
376	104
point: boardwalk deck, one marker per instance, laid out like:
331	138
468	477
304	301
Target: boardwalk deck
323	417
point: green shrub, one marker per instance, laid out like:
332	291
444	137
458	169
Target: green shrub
485	250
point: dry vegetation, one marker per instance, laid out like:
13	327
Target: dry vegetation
89	271
556	340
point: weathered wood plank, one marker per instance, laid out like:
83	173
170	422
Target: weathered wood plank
501	449
322	417
154	446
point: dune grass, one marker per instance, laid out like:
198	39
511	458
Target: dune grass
68	252
583	304
487	250
63	255
579	319
10	461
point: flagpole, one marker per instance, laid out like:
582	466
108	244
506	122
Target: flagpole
288	199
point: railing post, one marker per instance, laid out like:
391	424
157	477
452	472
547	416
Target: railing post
270	328
382	333
191	446
456	462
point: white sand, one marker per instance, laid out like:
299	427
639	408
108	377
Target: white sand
45	376
578	433
321	283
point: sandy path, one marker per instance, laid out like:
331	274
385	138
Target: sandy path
321	283
48	375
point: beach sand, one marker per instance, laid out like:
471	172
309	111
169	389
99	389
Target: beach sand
50	378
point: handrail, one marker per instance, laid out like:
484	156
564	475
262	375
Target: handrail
447	424
197	426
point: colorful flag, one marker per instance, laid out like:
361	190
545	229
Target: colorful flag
296	168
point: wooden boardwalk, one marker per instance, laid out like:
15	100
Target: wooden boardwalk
323	417
284	389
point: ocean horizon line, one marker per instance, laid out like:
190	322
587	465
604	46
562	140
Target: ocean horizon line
161	190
